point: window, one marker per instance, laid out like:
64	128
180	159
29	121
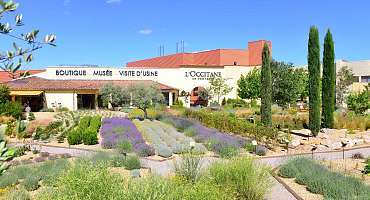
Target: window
365	79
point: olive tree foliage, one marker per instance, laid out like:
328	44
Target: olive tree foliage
115	95
217	88
359	102
288	83
143	96
249	86
345	78
11	60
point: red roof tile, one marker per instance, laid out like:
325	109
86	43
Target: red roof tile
36	83
218	57
4	76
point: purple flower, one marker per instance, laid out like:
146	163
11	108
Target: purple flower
117	130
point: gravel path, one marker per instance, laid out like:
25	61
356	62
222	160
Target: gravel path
278	191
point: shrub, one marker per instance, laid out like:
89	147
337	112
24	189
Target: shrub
227	151
11	108
136	114
85	180
190	132
89	136
118	160
132	162
31	116
144	150
95	123
7	179
360	102
164	151
63	109
261	150
246	178
189	168
228	123
124	147
17	194
84	122
74	137
31	183
319	179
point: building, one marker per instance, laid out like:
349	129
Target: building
360	69
77	87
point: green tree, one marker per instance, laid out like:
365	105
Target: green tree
328	82
249	86
314	80
144	96
288	83
302	76
115	95
11	60
345	78
4	94
359	102
218	88
266	87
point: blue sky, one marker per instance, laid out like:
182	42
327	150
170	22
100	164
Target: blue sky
113	32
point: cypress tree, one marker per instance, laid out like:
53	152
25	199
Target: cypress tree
314	80
266	87
328	82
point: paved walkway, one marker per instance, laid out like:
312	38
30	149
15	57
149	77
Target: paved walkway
278	191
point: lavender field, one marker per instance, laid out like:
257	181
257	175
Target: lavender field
117	130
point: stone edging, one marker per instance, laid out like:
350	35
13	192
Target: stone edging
290	190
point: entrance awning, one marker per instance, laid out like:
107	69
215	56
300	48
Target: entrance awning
25	93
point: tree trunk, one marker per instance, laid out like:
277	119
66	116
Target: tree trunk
145	113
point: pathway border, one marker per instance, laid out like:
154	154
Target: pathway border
290	190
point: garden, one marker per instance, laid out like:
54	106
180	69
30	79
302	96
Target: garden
328	179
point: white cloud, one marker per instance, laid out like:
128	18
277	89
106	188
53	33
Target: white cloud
146	31
113	1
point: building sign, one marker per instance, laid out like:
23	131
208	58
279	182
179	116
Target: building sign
105	73
202	75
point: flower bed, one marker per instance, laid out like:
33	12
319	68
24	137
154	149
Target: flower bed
117	130
214	140
320	180
165	139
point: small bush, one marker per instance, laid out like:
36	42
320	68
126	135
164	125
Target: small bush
124	147
17	194
11	108
242	176
31	116
132	162
74	137
85	180
31	183
7	180
89	137
145	150
84	122
190	132
164	151
228	151
189	168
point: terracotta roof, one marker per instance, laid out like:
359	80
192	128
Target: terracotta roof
4	76
36	83
252	56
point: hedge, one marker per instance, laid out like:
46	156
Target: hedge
229	123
